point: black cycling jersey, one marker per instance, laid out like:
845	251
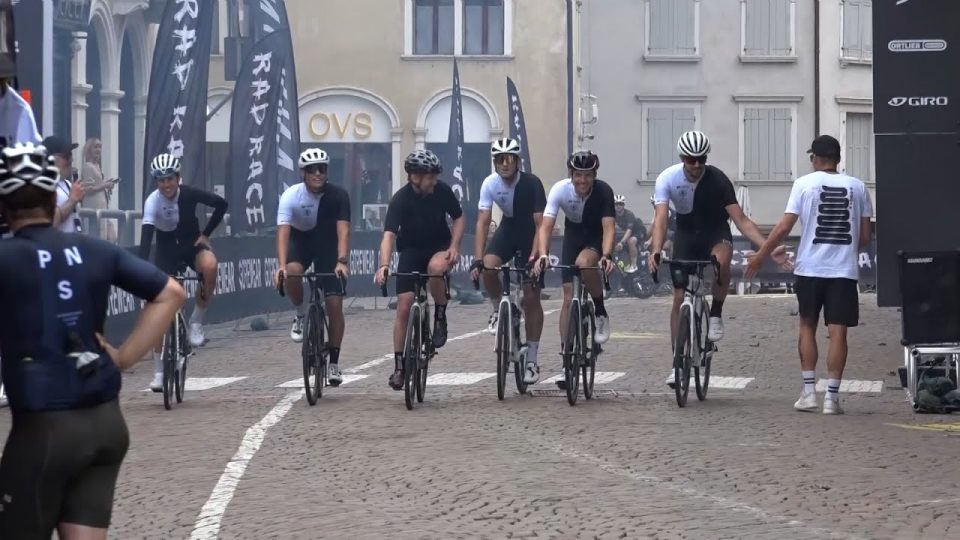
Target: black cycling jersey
702	206
581	214
518	201
420	221
176	220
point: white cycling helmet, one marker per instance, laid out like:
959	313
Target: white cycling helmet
505	146
313	156
164	165
619	199
24	164
693	144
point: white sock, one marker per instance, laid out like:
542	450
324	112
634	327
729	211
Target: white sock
809	381
833	389
197	315
532	348
157	362
302	309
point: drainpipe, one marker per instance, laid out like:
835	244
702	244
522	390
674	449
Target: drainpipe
569	77
816	68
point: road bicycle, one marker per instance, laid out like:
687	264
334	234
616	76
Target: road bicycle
177	349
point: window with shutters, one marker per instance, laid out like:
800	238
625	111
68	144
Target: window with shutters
768	143
857	38
672	30
768	30
858	147
458	28
433	27
664	125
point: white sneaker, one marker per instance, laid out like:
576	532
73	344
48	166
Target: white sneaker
333	375
672	379
531	373
196	334
157	384
715	333
296	331
602	334
493	322
807	402
831	406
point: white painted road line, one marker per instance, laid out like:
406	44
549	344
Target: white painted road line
208	522
456	379
730	383
206	383
298	383
853	386
600	377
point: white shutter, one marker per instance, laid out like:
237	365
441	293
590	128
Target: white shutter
767	28
858	151
672	27
664	127
767	144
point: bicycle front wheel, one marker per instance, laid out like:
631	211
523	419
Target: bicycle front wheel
310	352
572	349
170	347
588	329
411	358
701	364
681	357
503	349
183	352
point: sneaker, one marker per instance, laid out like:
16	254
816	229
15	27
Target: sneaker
831	406
396	380
493	322
439	332
157	384
296	331
631	269
196	334
531	373
716	329
602	334
333	375
807	402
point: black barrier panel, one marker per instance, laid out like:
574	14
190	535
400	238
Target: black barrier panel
246	268
915	66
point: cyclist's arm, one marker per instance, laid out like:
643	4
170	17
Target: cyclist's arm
626	236
455	211
745	224
537	222
386	248
343	227
283	245
609	226
544	233
659	234
483	229
146	238
219	205
777	235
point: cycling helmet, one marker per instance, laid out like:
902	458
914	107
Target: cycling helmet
505	146
422	162
619	199
693	144
164	165
313	156
584	160
24	164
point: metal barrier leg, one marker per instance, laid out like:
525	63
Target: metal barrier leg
910	360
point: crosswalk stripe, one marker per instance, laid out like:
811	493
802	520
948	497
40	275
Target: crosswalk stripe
206	383
600	377
853	386
347	379
730	383
456	379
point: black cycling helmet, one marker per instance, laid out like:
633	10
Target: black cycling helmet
583	160
422	162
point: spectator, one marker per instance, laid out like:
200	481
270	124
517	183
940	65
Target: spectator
69	192
98	190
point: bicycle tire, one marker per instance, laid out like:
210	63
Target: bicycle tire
503	349
521	364
169	359
701	367
321	352
588	330
426	353
183	351
308	354
411	353
681	357
571	356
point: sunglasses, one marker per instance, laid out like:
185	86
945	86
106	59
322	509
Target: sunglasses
690	160
314	169
505	159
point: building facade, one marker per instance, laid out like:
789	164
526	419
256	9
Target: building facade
761	77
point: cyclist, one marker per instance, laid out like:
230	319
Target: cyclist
417	220
171	211
68	437
587	204
705	202
521	198
629	229
313	227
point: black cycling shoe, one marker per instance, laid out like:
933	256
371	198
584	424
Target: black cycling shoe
396	380
439	332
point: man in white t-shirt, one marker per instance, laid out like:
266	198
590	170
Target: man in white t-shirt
834	211
69	193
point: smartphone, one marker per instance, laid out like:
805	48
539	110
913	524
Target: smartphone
76	175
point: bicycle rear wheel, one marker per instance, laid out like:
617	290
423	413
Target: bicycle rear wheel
310	352
169	353
503	349
571	354
681	357
183	353
701	364
588	328
411	358
426	353
519	367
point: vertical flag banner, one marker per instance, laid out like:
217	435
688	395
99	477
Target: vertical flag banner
177	99
453	161
518	128
253	189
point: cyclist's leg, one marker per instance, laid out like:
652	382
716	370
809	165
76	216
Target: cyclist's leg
633	250
409	260
686	246
593	282
205	264
299	257
333	299
532	310
167	262
438	264
573	244
723	251
500	250
841	311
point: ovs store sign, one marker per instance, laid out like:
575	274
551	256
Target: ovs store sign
344	119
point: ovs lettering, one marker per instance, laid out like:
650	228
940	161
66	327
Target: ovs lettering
321	123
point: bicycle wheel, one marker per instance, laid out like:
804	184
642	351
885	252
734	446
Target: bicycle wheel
426	353
503	349
309	353
588	328
169	364
681	357
571	354
701	365
521	363
183	352
411	354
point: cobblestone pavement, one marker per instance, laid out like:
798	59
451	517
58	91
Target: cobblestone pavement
251	459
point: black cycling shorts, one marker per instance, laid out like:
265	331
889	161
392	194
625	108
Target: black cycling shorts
838	297
698	246
174	258
61	467
509	239
413	260
307	250
575	240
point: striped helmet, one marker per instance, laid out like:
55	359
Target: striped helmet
505	146
24	164
313	156
164	165
693	144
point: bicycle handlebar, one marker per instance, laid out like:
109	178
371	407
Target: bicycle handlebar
420	276
659	258
503	268
578	269
309	276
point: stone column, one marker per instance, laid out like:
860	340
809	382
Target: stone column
79	91
110	133
140	139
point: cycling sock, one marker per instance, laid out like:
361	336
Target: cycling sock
302	309
716	309
600	310
440	311
809	381
334	355
833	389
532	348
397	359
197	315
157	362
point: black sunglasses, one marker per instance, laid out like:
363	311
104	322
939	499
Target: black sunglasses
694	159
316	168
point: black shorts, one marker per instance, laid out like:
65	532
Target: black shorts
61	467
698	246
307	250
174	258
509	239
413	259
575	240
839	298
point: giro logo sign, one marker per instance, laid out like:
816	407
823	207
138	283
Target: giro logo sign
917	45
941	101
